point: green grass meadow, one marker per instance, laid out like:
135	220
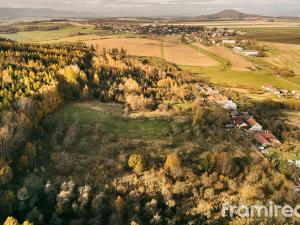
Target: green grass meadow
112	122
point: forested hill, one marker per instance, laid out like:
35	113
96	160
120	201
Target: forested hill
30	86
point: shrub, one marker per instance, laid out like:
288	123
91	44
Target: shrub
11	221
136	162
173	164
139	102
6	174
27	223
119	203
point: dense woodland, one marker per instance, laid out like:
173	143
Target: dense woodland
174	188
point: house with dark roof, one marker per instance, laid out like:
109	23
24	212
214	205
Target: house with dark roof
239	122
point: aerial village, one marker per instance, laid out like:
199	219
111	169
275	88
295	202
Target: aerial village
206	35
264	139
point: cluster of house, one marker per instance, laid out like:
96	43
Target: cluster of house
213	36
242	120
153	29
225	37
245	121
281	92
214	96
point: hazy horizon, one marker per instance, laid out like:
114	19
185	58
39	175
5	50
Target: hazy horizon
163	7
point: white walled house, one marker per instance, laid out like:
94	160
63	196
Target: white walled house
229	42
230	105
238	49
256	127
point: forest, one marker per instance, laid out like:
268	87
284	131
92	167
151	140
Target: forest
71	170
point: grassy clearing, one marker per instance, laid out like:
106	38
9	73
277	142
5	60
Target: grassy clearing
112	121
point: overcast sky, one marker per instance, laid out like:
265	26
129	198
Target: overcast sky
163	7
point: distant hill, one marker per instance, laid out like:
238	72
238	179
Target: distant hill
20	13
13	13
228	14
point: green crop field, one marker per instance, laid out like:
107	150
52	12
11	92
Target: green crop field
112	121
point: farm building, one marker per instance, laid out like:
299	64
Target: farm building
251	53
238	49
228	42
230	105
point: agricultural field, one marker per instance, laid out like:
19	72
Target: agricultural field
284	56
64	32
134	46
178	53
286	35
237	62
253	24
169	48
245	79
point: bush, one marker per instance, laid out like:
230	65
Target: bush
11	221
6	174
139	102
136	162
173	164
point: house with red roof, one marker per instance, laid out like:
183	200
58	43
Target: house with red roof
266	138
